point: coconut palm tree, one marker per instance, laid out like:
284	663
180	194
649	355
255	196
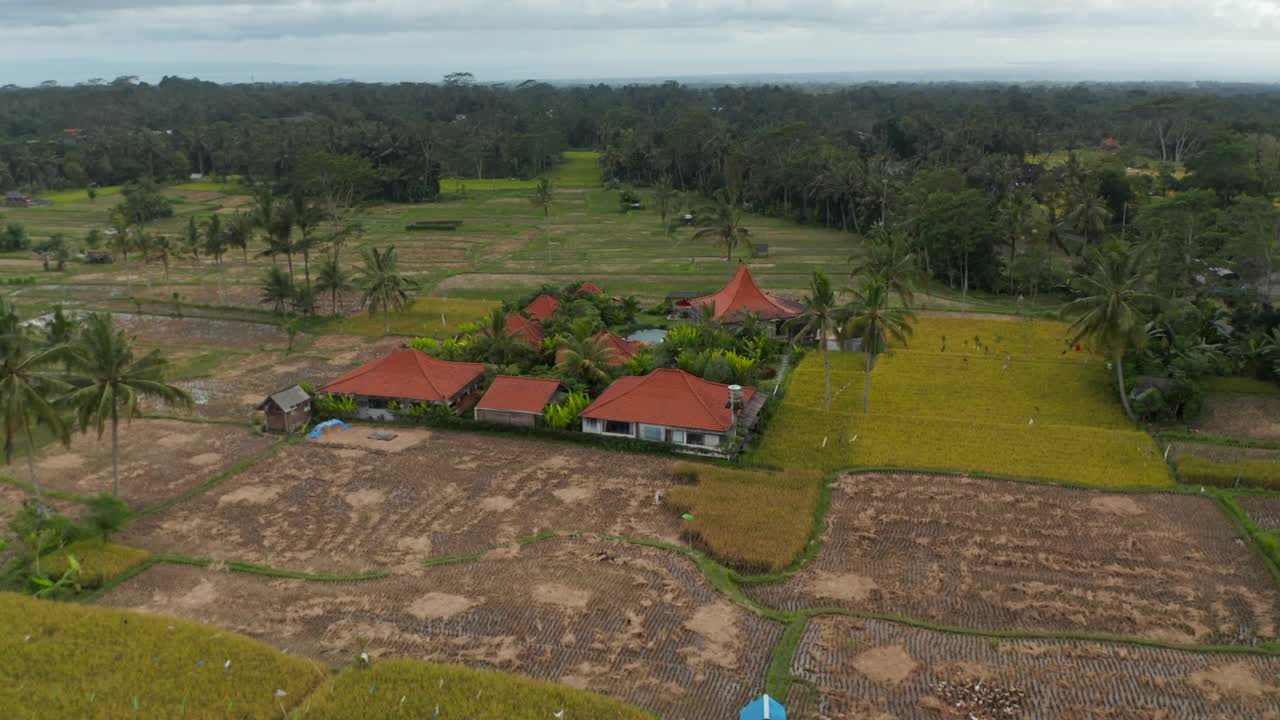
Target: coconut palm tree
277	290
26	389
331	278
664	197
215	237
109	381
889	257
1112	311
870	317
306	217
164	249
582	355
721	221
381	285
818	318
192	238
1088	216
543	195
496	345
240	233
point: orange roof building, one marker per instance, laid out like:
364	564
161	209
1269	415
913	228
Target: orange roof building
517	400
543	308
526	330
406	376
670	405
742	296
590	288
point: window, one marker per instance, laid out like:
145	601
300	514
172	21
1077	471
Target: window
590	424
694	439
615	427
651	432
377	404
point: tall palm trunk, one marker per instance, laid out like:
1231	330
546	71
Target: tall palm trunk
826	361
115	452
1124	396
31	458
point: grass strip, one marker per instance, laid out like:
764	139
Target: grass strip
778	676
1263	543
1222	440
268	571
47	492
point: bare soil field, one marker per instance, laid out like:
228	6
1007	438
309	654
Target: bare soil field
161	330
635	623
1264	510
347	503
1003	556
873	669
158	459
1240	415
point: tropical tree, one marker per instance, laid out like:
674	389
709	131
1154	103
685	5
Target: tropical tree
664	197
1112	311
496	345
381	285
239	232
164	248
331	278
306	217
192	239
215	238
869	316
721	221
1088	216
819	318
277	290
121	242
584	356
889	257
109	381
26	389
544	194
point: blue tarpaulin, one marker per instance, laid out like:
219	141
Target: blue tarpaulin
315	432
764	708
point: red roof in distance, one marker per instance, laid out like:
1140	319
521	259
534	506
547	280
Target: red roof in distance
522	328
543	308
667	397
591	288
742	296
622	348
509	393
407	374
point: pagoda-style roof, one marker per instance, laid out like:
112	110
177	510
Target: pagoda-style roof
742	296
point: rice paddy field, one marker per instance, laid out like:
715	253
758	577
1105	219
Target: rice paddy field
1006	397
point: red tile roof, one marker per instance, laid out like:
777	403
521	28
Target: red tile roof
742	296
590	287
509	393
408	374
667	397
543	308
522	328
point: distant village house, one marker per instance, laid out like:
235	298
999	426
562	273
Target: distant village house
407	377
513	400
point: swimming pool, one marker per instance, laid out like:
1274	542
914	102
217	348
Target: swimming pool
653	336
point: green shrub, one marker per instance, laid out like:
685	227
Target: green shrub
99	561
330	407
1246	473
106	515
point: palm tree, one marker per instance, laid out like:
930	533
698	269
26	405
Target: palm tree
109	382
721	221
1111	311
664	196
496	345
240	233
331	278
192	238
307	218
120	241
164	248
818	318
543	195
25	391
381	284
277	290
215	237
582	355
1088	216
889	258
870	317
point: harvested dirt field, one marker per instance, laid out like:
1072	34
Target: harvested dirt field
874	669
1265	510
348	503
161	330
1003	556
1238	415
635	623
158	459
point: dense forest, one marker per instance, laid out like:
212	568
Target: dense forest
971	172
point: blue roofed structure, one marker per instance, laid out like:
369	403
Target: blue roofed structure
763	708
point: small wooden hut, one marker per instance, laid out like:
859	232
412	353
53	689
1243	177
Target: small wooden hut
287	410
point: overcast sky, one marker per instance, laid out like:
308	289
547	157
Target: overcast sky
383	40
